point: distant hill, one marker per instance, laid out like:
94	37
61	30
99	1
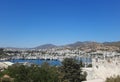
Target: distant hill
46	46
74	45
117	44
90	45
84	44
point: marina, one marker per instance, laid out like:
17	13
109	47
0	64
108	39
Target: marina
98	64
53	62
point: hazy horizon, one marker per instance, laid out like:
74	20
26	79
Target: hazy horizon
51	44
36	22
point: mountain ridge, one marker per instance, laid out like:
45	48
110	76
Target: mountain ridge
46	46
78	44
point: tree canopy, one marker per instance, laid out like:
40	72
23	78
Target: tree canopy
70	71
113	79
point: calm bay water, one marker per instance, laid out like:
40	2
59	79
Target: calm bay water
37	61
51	62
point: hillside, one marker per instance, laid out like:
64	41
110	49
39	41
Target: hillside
117	44
46	46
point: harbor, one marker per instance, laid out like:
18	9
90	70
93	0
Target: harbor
98	64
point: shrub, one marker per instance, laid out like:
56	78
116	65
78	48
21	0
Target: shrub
113	79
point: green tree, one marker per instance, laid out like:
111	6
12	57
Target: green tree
113	79
71	71
6	80
19	72
33	73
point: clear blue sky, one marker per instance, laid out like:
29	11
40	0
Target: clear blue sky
29	23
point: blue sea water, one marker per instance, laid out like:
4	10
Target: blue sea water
50	62
37	61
